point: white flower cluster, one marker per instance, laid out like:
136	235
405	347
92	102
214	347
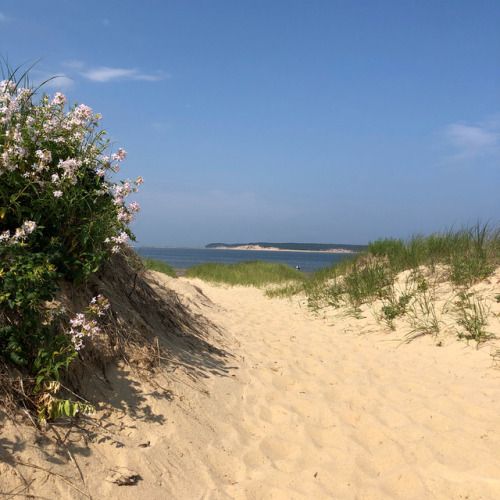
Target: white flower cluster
83	327
19	234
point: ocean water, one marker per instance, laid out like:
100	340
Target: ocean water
184	258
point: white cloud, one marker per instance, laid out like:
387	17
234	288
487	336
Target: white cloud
105	74
467	137
73	64
74	69
473	141
3	17
50	81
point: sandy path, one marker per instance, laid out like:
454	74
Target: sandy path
323	411
302	408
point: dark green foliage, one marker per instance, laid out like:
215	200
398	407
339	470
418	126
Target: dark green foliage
26	281
398	309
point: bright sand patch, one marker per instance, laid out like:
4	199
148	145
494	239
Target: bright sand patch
304	407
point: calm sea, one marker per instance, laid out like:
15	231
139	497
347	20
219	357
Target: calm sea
184	258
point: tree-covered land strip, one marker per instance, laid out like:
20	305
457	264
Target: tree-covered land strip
312	247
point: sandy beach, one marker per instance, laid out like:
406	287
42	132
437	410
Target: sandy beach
285	405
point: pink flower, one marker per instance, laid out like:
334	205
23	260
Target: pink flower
84	112
134	207
122	154
44	155
58	194
59	100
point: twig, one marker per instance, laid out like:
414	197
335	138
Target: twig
62	443
133	287
16	461
76	395
158	351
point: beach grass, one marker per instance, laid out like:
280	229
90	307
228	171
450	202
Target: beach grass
470	254
463	257
250	273
395	278
159	266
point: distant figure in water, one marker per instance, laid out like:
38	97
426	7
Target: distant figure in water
297	267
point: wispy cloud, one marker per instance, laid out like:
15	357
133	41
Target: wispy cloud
473	139
106	74
51	81
3	17
480	140
74	64
73	70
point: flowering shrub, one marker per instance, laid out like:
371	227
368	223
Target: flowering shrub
52	170
61	216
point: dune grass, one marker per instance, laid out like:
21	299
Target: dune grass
471	254
462	257
159	266
250	273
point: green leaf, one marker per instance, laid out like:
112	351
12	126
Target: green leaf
42	413
67	408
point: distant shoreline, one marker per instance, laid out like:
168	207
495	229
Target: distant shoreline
274	249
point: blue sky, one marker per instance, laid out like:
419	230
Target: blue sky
333	121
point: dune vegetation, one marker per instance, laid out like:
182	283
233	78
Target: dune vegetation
251	273
61	220
421	280
159	266
430	285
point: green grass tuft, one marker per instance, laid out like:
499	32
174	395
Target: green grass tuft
250	273
472	315
159	266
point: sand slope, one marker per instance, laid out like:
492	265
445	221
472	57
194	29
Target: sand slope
299	407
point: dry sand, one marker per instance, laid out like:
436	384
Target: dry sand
301	407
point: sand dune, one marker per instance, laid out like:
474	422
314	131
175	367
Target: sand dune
300	407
